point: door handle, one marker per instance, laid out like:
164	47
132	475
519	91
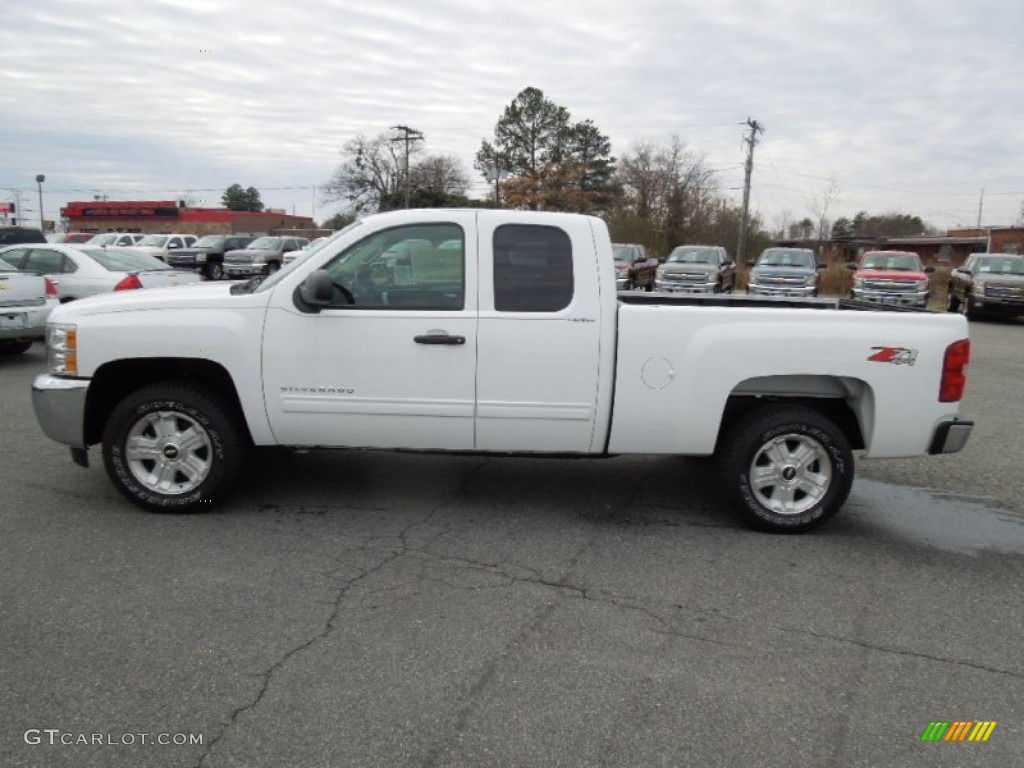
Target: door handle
440	338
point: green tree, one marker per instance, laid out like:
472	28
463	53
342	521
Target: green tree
237	199
550	162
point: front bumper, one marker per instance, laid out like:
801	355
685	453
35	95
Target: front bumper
672	286
800	291
244	270
903	299
998	304
951	436
59	404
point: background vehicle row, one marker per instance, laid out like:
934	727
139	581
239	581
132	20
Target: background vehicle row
81	270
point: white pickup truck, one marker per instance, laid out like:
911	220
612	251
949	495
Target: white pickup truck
497	332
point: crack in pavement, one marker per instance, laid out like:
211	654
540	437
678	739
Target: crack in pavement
328	625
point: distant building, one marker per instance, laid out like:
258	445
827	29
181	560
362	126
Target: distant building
157	216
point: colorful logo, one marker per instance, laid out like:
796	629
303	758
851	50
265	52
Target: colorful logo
958	730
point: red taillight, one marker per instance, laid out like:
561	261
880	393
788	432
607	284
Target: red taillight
51	288
954	371
130	283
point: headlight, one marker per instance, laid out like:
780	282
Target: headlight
200	258
659	272
923	284
978	288
622	271
62	348
810	280
858	282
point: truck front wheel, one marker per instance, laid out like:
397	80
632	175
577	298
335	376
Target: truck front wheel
787	468
172	447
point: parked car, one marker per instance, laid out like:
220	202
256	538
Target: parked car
70	237
784	272
14	235
991	283
207	254
82	270
891	277
314	245
118	239
633	269
25	302
162	246
263	256
697	269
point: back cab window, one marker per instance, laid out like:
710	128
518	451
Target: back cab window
532	268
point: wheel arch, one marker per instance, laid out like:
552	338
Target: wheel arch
847	402
113	381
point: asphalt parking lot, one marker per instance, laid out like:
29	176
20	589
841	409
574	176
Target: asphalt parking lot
372	609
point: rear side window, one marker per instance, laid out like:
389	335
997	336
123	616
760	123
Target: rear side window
532	268
44	261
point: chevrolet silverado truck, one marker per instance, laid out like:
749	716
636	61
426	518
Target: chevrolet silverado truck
891	277
498	332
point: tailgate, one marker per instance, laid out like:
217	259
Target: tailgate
164	278
19	289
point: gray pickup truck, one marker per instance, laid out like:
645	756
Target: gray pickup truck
784	272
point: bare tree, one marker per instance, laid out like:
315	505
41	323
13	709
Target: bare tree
371	172
443	174
820	204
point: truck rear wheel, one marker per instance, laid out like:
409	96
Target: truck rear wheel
172	447
787	468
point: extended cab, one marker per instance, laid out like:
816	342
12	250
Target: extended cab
497	332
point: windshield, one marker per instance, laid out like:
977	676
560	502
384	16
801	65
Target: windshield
782	257
902	262
684	255
157	240
265	244
210	241
116	260
622	253
999	265
103	239
261	284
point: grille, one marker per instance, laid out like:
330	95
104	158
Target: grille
890	285
1004	290
686	277
782	280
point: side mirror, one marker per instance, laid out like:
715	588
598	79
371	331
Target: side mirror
929	269
966	271
316	291
751	262
819	266
851	266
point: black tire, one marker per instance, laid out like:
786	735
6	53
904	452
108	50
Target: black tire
788	431
952	303
649	288
196	455
214	270
14	347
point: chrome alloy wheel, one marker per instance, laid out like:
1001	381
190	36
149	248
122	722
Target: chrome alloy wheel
790	474
168	452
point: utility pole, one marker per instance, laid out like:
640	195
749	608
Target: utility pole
409	136
751	142
981	202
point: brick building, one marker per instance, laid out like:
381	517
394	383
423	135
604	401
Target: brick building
160	216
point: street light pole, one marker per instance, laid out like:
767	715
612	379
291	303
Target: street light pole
40	178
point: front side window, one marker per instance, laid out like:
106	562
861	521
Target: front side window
402	268
532	268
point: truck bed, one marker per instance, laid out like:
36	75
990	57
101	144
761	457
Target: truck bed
743	300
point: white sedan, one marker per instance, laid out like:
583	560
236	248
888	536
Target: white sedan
82	270
25	303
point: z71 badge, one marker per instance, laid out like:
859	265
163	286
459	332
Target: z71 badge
894	355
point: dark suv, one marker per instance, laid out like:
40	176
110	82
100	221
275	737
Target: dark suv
207	255
18	235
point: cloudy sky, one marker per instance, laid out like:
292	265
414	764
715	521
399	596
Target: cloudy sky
913	106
